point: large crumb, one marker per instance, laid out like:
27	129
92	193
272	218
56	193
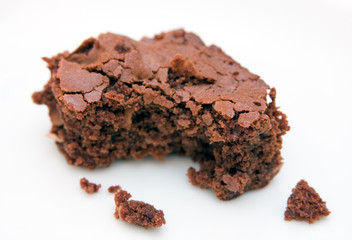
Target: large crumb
305	204
137	212
113	189
88	186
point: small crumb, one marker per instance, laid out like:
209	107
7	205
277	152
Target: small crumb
113	189
88	186
137	212
305	204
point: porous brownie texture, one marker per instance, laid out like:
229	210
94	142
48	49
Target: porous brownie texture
305	204
137	212
116	98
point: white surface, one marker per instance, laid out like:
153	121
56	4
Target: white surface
303	48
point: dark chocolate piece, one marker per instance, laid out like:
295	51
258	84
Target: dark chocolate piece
88	186
137	212
305	204
118	98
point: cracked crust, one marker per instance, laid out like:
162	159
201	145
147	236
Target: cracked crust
118	98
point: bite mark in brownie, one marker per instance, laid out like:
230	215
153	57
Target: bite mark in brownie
137	212
88	186
118	98
305	204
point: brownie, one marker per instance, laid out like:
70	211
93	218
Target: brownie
137	212
116	98
88	186
305	204
113	189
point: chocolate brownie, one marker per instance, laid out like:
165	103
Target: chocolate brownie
137	212
88	186
305	204
114	97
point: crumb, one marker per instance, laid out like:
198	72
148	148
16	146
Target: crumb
305	204
88	186
113	189
137	212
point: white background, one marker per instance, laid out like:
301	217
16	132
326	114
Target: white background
303	48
